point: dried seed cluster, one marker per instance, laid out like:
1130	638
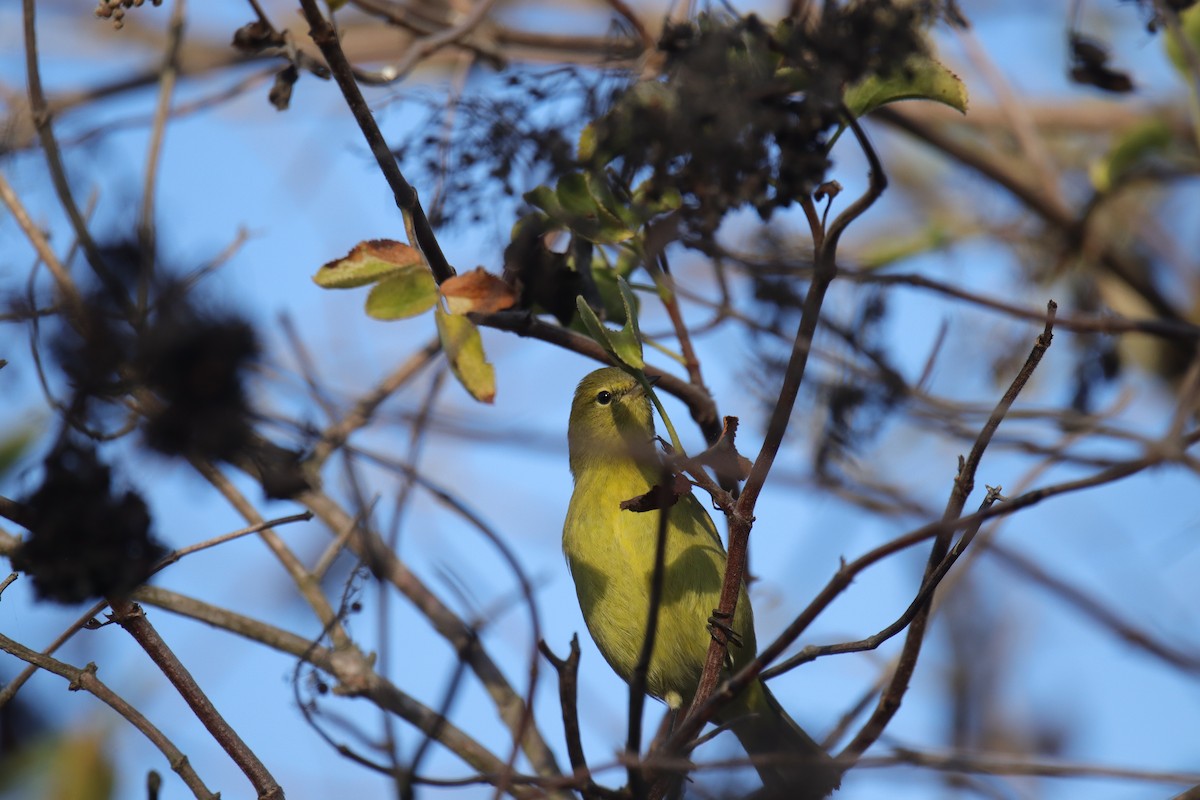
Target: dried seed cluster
115	9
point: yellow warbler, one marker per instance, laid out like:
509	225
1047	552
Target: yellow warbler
611	554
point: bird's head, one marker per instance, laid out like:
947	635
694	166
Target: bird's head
611	418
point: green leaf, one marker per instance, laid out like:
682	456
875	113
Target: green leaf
628	343
593	326
920	78
605	278
544	198
367	263
623	346
593	211
463	347
614	214
573	205
404	294
574	197
1149	139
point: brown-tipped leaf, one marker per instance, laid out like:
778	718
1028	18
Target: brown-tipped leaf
368	262
478	291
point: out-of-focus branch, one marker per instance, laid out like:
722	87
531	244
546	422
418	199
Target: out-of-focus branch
363	411
86	679
1092	608
1070	225
1111	323
998	765
354	677
147	230
309	588
41	246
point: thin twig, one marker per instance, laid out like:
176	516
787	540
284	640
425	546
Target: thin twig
42	246
568	701
996	765
369	547
964	482
1109	322
427	46
84	620
147	229
405	195
364	409
812	652
639	678
308	588
58	173
742	516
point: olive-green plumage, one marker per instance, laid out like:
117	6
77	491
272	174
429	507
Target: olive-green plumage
611	554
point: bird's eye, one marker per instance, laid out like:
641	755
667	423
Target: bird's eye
604	397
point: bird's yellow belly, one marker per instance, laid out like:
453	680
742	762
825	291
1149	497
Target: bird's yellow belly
613	574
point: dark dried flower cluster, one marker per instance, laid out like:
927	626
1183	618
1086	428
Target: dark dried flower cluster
194	365
86	539
191	362
744	111
184	368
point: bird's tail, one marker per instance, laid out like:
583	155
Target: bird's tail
790	763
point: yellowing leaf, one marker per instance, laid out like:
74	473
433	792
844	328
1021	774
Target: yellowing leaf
463	347
479	291
403	294
81	769
587	142
1190	28
921	78
366	263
